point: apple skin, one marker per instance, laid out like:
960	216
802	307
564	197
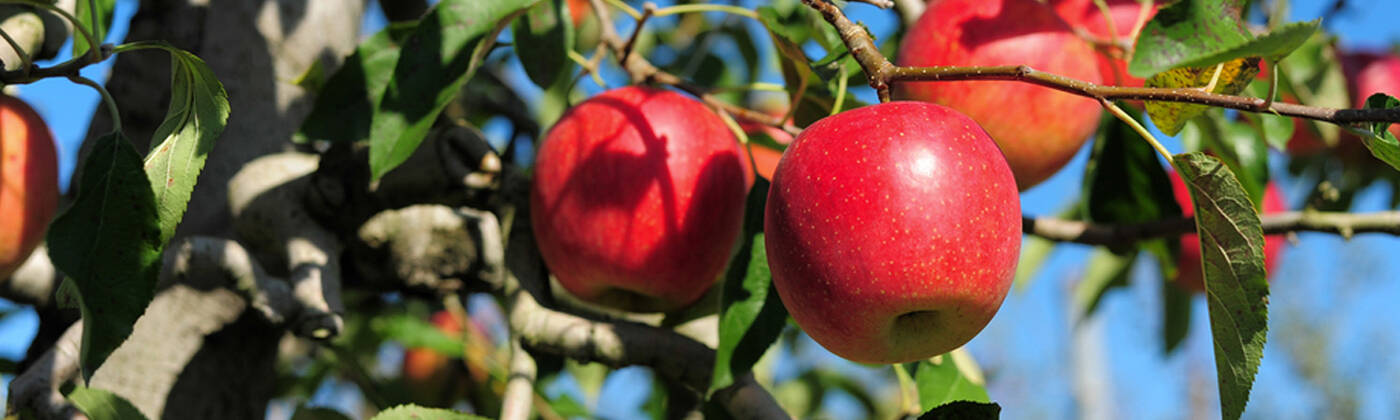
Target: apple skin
28	182
1039	129
637	199
1367	73
1085	15
1189	262
893	231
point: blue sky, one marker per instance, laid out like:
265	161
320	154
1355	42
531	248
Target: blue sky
1333	326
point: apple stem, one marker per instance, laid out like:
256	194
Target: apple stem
1142	131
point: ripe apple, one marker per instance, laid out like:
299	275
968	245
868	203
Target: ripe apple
893	231
637	199
1039	129
1128	20
28	182
1189	262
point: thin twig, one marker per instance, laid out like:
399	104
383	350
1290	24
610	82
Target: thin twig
1088	233
881	72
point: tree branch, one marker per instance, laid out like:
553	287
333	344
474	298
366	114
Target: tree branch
1088	233
642	71
881	73
617	343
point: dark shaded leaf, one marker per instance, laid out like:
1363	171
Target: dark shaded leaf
543	39
1176	315
964	410
108	243
1106	271
318	413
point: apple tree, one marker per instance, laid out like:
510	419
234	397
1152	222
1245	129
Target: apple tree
515	194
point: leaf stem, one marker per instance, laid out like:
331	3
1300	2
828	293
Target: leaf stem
106	99
692	8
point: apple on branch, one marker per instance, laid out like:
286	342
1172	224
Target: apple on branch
893	231
1038	128
638	198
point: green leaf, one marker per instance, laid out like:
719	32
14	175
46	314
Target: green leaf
436	60
964	410
543	38
568	407
751	314
414	412
1232	254
1170	117
942	380
1176	314
1124	181
1106	270
1273	128
97	25
1237	145
108	243
802	75
318	413
99	404
1377	136
1203	33
344	108
416	332
197	114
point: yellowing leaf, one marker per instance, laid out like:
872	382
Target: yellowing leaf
1170	117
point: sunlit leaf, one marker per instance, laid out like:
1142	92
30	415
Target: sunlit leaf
100	404
1169	117
98	24
414	412
344	108
1232	257
436	60
1379	137
751	315
941	380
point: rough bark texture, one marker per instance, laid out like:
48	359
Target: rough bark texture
197	352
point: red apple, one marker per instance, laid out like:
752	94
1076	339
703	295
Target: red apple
1189	262
1039	129
893	231
1128	19
28	182
638	197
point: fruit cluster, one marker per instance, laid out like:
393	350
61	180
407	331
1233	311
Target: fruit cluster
892	231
